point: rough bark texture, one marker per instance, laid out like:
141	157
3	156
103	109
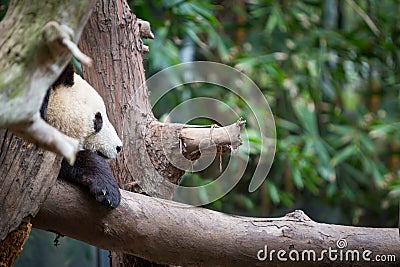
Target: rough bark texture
172	233
27	174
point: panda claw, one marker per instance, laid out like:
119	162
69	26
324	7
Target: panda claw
109	198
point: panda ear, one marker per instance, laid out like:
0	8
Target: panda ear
98	122
66	78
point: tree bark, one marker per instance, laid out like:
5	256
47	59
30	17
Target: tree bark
112	38
172	233
26	177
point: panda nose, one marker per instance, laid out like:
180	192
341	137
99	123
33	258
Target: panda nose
119	148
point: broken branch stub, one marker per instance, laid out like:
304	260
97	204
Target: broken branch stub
204	140
172	147
145	29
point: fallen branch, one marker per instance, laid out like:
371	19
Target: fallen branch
172	233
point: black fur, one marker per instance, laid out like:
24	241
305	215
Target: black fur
45	104
91	170
66	78
98	122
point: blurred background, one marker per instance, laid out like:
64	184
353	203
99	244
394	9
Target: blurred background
330	72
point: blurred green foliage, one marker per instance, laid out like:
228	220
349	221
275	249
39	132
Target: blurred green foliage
329	70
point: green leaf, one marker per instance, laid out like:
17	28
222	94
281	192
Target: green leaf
343	155
298	181
248	203
273	192
305	111
286	198
288	125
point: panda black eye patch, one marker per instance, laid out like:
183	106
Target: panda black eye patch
98	122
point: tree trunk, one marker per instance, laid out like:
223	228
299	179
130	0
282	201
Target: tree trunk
27	174
112	38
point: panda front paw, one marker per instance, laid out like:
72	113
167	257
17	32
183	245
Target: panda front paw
106	192
92	171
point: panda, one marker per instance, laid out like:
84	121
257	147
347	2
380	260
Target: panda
75	108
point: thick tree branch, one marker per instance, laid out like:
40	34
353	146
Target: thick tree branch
36	42
148	227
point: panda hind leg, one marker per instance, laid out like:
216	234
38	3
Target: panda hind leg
92	171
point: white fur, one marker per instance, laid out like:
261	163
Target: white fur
72	111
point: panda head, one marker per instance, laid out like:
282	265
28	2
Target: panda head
77	110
